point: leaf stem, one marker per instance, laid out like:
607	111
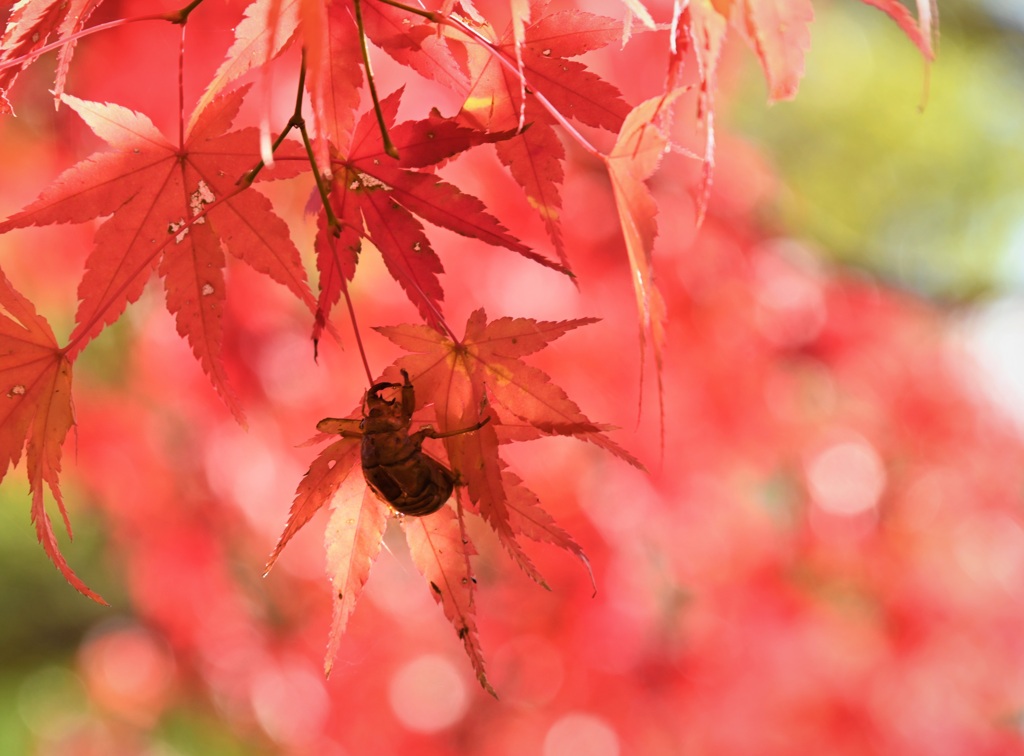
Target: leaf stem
297	121
181	91
389	147
179	16
355	327
436	18
117	22
297	113
249	176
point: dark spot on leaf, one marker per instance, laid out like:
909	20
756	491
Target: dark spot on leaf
463	632
434	588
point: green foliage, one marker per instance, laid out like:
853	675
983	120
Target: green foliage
930	199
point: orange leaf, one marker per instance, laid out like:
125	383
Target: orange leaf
496	99
485	365
334	75
28	28
35	413
635	158
173	209
257	42
329	470
353	539
530	519
483	376
440	550
920	33
779	31
415	42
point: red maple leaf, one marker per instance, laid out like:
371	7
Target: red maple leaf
438	544
29	28
266	30
779	31
391	196
633	159
334	71
700	29
415	42
35	412
440	550
352	540
174	209
508	77
483	375
331	54
920	33
329	470
479	378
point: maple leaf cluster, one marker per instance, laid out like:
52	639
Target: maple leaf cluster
183	206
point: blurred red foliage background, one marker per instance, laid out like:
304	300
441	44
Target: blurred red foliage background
823	559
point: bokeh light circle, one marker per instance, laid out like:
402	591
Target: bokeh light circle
581	733
428	694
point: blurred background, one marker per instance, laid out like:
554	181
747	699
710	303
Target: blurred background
826	558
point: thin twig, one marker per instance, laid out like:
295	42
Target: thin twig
175	17
181	90
389	148
355	327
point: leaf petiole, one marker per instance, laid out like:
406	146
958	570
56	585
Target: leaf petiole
432	16
389	147
295	122
179	16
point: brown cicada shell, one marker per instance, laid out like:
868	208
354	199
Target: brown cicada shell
394	463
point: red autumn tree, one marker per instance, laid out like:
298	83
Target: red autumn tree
775	569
